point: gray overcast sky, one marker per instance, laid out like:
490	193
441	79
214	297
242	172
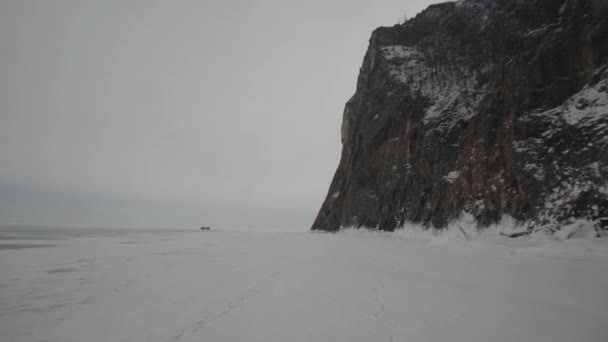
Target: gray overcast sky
177	113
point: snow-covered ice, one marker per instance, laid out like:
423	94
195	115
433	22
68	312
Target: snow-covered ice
300	286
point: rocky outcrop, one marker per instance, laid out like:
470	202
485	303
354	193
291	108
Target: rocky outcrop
489	107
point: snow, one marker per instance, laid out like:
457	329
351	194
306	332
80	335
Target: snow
585	108
411	285
454	91
451	177
400	51
578	229
480	8
536	170
563	8
539	31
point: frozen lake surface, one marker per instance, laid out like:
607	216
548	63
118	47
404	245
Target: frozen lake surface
62	285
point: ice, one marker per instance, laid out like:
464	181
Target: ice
357	285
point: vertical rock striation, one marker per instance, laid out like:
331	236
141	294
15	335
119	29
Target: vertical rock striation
490	107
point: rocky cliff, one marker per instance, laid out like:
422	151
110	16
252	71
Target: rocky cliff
489	107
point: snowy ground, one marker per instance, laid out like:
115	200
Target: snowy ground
263	286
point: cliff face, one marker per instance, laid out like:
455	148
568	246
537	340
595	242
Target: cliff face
490	107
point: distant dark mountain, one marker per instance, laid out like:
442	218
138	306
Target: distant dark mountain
490	107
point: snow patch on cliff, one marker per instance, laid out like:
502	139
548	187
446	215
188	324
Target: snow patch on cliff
452	176
584	108
399	51
452	91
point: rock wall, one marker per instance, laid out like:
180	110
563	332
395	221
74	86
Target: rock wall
490	107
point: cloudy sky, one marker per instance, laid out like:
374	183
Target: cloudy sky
177	113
